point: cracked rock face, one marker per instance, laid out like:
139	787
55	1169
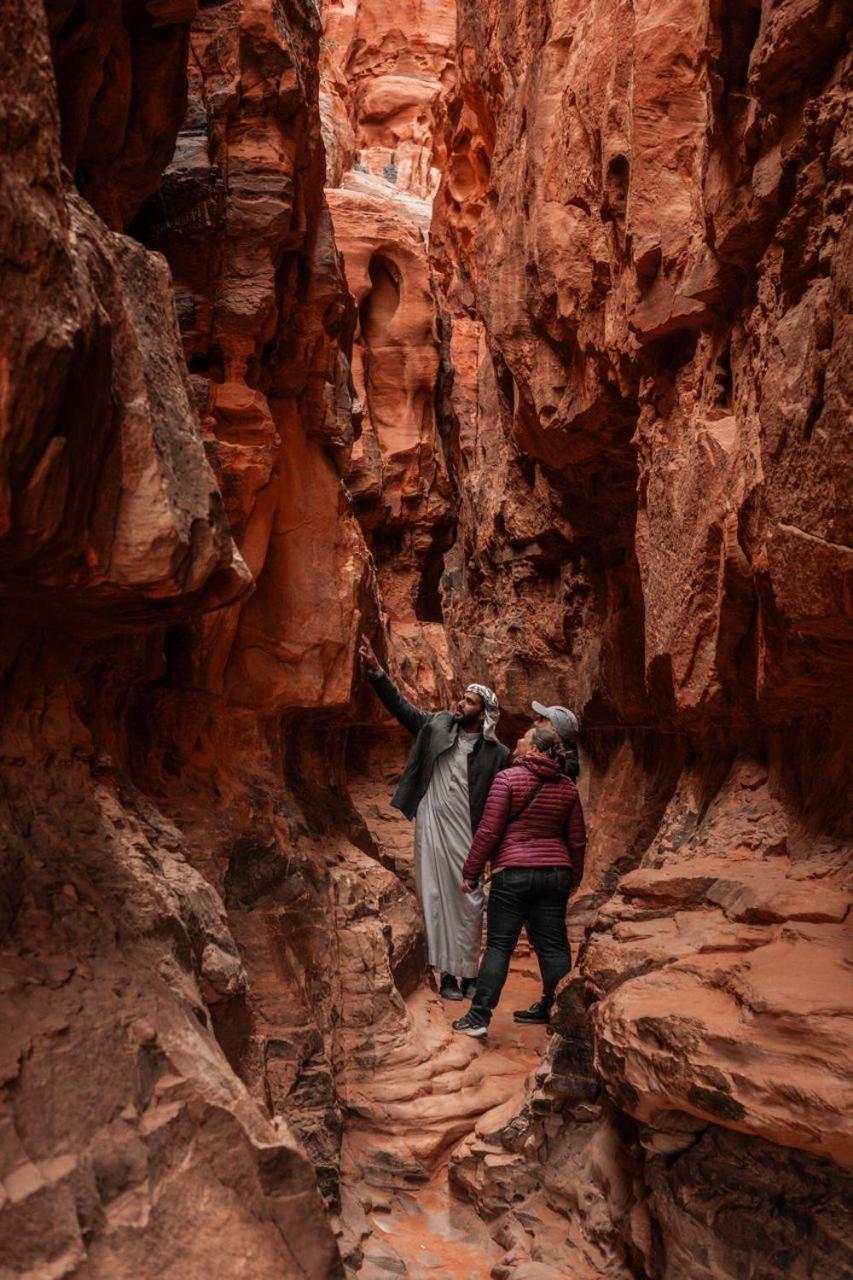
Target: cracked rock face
385	77
132	1147
641	245
549	388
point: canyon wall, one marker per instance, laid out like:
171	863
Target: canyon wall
551	388
644	266
385	76
183	580
208	924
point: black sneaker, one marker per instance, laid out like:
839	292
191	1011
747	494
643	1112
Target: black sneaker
449	989
468	1025
539	1012
469	986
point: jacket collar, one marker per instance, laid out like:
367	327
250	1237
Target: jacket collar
542	767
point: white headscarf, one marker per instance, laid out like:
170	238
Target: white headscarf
491	707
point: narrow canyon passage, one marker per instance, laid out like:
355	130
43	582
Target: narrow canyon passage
515	337
411	1218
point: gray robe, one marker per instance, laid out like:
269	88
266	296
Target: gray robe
453	919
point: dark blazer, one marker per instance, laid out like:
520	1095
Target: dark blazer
435	732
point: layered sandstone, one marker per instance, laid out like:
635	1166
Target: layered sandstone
385	72
641	242
143	685
206	946
578	428
385	75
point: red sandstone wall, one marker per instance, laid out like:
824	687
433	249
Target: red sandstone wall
204	941
169	911
385	76
641	241
593	437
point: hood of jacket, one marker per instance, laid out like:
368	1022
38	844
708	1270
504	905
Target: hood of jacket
542	767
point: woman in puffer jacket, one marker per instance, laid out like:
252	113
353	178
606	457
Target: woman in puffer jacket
533	834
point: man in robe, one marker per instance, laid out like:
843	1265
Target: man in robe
454	758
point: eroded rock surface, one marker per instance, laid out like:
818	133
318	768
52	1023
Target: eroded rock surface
550	388
385	77
121	81
641	245
202	934
107	500
132	1145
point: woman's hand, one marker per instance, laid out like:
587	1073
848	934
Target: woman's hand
468	887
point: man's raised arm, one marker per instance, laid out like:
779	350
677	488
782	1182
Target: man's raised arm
406	712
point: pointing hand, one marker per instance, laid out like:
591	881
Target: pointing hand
371	661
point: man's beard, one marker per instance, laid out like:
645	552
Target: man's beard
470	722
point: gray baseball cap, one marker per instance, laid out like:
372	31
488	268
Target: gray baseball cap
563	720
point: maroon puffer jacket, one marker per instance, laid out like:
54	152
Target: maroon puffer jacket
549	833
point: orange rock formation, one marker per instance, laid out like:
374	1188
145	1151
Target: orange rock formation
549	385
385	74
641	244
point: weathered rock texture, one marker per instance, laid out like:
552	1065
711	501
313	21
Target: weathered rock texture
578	428
385	70
107	502
206	946
168	925
385	76
645	270
122	87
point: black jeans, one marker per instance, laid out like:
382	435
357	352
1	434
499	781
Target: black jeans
519	896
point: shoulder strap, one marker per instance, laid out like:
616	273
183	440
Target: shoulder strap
530	798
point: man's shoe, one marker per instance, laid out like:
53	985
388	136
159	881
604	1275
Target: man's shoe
468	1026
449	989
469	986
539	1012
